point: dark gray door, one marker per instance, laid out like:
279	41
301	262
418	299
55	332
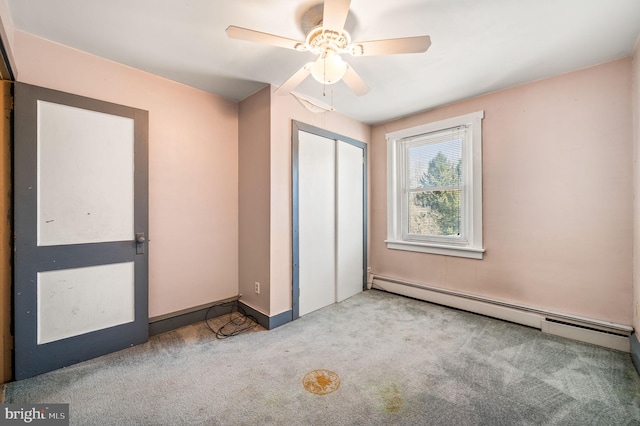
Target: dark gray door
80	219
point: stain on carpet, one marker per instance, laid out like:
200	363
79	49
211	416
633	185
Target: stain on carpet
321	382
392	399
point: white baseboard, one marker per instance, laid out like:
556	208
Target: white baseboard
594	337
601	333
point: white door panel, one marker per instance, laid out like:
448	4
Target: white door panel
317	222
76	301
89	153
349	244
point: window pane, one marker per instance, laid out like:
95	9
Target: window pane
435	213
434	181
435	165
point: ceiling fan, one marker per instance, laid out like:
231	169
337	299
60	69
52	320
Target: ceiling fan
327	38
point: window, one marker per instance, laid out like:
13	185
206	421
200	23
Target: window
434	192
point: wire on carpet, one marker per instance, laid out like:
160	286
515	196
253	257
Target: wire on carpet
238	322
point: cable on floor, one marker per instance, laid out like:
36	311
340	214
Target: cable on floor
239	321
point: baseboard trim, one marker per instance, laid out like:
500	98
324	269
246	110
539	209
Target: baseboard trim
594	337
265	320
601	333
168	322
454	301
162	324
635	351
173	323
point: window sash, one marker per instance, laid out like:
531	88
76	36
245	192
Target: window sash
405	190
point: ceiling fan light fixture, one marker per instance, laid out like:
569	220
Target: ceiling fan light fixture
327	37
329	68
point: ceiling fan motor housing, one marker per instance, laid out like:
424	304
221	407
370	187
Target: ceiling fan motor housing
320	39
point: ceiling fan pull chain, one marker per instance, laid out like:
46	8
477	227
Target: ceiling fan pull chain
324	76
332	108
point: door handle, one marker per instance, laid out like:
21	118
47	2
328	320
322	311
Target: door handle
140	240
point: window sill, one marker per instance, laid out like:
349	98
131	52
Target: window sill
468	252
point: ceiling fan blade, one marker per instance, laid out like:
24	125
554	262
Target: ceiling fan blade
294	80
335	14
355	83
391	46
264	38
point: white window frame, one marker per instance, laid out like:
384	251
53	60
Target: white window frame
470	244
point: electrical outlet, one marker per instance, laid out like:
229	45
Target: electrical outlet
257	287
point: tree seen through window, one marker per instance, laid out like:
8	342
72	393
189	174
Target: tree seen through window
434	206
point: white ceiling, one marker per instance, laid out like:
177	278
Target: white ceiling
478	46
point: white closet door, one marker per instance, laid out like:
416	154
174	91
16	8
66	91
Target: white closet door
349	213
330	204
316	204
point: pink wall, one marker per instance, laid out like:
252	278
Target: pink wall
285	109
254	171
557	175
193	168
636	181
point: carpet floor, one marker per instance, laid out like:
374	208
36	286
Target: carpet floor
398	361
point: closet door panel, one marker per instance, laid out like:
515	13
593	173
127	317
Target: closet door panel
317	206
349	212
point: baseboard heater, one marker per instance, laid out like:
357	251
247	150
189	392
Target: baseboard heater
601	333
